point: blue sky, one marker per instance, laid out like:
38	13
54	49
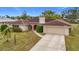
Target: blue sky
32	11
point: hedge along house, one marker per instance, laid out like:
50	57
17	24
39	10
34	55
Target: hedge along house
49	26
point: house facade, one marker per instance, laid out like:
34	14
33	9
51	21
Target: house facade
49	26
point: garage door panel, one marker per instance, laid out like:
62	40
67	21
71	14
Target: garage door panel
54	30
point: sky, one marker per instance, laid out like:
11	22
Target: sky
32	11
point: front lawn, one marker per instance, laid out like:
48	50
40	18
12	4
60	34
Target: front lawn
72	41
24	42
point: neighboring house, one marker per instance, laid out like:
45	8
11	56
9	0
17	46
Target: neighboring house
49	26
6	20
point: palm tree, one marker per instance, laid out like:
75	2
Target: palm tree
5	30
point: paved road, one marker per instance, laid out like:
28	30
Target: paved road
50	42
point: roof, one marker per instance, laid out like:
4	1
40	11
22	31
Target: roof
18	22
61	20
6	19
57	23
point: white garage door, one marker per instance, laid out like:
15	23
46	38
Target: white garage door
55	30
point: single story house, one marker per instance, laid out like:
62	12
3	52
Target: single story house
49	26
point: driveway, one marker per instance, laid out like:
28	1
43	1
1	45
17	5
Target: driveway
50	42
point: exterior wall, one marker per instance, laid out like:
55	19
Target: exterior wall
9	25
23	27
62	30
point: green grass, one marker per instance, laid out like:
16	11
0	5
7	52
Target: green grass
72	41
24	42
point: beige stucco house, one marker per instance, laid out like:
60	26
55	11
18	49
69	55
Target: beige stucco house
49	26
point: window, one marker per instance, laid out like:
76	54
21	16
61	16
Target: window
15	25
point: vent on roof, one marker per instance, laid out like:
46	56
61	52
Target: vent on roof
42	20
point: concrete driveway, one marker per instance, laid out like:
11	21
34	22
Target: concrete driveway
50	42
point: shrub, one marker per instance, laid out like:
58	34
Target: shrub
39	29
5	29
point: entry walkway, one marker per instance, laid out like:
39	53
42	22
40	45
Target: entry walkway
50	42
38	34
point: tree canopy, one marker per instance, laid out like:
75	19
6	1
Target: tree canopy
24	15
71	14
50	15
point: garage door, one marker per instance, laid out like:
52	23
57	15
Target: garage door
54	30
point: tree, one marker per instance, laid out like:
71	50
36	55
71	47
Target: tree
7	16
56	16
12	17
18	17
50	15
71	14
24	15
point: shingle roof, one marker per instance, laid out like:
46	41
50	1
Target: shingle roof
19	22
57	23
36	21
